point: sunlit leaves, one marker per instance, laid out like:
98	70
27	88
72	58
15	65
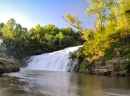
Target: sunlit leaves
20	42
98	10
73	20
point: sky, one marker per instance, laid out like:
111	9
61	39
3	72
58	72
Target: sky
29	13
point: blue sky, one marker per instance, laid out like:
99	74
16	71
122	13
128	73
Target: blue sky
29	13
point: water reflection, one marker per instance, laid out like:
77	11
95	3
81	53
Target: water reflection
104	86
11	86
45	83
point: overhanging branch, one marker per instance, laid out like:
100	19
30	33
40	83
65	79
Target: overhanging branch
73	25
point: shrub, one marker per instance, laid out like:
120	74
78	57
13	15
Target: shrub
127	66
72	55
83	67
117	67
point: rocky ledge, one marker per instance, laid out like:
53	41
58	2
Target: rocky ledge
114	66
8	65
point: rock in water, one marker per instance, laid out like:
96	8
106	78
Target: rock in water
8	65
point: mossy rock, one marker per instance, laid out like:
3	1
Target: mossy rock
8	65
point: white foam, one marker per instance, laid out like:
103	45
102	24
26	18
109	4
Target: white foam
55	61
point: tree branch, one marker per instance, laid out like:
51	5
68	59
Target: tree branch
73	25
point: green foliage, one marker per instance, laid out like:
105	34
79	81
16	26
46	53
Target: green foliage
110	36
73	21
117	68
73	55
82	67
98	12
127	66
2	55
20	42
109	53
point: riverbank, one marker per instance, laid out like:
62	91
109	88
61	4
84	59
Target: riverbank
117	66
8	65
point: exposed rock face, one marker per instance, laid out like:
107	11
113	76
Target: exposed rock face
8	65
25	62
102	70
109	67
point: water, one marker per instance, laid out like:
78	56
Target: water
54	83
50	78
55	61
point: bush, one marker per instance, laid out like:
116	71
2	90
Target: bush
109	53
83	67
72	55
117	67
127	66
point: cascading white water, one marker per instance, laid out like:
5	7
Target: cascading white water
55	61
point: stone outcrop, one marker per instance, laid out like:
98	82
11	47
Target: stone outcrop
109	67
8	65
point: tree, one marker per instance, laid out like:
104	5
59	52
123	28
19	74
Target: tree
73	21
1	26
13	37
20	42
98	10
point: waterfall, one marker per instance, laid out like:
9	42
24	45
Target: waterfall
55	61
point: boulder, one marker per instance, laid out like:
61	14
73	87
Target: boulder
8	65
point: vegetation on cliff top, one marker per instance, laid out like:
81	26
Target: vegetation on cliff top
109	39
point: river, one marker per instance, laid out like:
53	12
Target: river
29	82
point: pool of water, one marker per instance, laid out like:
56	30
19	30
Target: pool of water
51	83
